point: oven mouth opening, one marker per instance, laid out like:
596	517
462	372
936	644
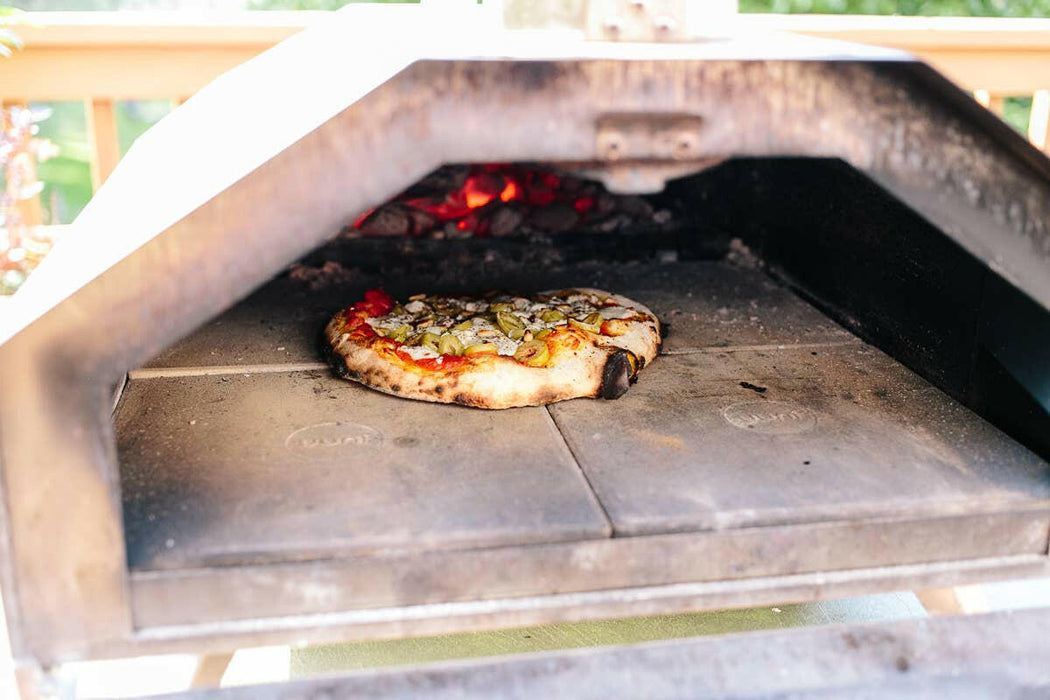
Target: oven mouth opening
823	343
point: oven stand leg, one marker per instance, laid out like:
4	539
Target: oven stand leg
953	601
210	669
35	682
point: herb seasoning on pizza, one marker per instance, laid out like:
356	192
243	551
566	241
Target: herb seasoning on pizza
496	351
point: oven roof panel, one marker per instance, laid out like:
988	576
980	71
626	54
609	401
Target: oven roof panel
228	189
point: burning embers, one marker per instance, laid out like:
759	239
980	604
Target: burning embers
465	201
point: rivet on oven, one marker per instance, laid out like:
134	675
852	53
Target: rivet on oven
664	24
613	26
685	145
611	145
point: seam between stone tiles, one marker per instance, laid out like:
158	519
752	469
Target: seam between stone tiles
211	370
712	349
583	474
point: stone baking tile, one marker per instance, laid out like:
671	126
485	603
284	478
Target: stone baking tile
748	438
260	468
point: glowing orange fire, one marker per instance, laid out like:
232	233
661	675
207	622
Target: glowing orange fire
490	187
510	192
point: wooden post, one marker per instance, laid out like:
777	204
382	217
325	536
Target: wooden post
102	132
960	600
210	670
1039	122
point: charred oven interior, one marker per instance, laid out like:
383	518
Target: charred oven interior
829	356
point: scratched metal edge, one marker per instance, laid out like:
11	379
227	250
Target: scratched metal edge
981	656
733	558
212	370
198	637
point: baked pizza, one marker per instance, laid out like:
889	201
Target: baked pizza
496	350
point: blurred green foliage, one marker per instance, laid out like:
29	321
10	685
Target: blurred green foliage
1016	112
960	8
9	39
67	177
135	117
311	4
977	8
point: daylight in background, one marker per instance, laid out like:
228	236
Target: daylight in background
67	186
67	176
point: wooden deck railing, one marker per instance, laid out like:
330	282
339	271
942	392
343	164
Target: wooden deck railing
103	57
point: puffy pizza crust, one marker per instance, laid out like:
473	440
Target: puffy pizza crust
641	338
601	366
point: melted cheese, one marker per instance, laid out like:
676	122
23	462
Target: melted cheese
608	312
482	330
420	352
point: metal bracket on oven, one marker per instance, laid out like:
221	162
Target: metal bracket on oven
649	136
639	152
636	20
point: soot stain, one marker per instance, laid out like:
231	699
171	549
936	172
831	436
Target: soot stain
534	75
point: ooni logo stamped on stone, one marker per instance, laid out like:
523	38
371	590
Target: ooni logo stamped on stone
332	439
771	417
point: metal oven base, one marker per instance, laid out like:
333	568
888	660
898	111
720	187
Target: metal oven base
767	456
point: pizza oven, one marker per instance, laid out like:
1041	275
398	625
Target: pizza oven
851	259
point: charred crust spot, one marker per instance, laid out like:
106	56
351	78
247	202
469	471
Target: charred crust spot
395	387
439	390
546	396
462	399
337	362
616	375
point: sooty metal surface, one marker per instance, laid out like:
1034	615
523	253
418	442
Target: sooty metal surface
262	331
221	469
999	655
739	438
